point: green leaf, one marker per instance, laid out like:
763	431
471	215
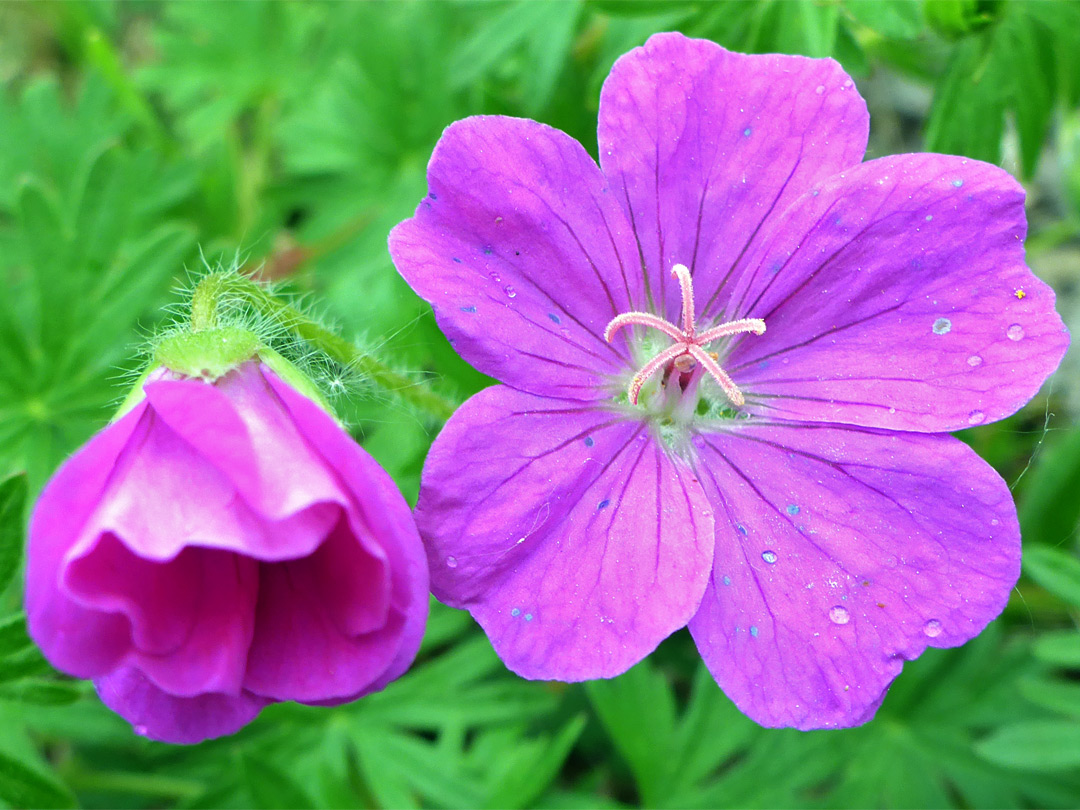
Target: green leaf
1059	647
42	693
1045	745
1055	570
12	508
271	788
900	19
1052	694
967	115
13	636
1049	509
21	786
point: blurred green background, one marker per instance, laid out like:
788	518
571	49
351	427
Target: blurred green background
140	140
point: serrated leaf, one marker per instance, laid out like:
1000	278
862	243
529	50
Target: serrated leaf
1044	745
12	508
1056	570
22	786
271	788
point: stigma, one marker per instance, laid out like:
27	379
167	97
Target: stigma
688	348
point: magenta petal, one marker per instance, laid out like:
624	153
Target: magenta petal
74	638
570	535
357	658
523	254
703	145
182	720
843	553
896	296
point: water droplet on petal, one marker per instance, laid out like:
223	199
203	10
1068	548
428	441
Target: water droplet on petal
727	580
819	89
769	556
942	326
141	730
792	509
929	217
847	84
515	612
451	562
754	631
839	615
933	628
494	276
746	132
958	182
976	417
589	441
1015	332
974	360
528	617
510	291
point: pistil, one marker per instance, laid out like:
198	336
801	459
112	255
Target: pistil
689	347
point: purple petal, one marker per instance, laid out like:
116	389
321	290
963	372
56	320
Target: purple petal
702	145
570	535
896	296
78	640
167	718
844	553
523	254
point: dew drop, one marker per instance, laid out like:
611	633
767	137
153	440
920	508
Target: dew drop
494	276
510	291
754	631
974	360
451	562
792	509
727	580
589	441
933	628
604	504
976	417
769	556
819	89
741	528
528	617
141	730
1015	332
847	84
942	326
515	612
468	309
746	132
839	615
554	318
957	182
929	217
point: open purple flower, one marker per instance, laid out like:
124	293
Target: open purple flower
221	547
730	356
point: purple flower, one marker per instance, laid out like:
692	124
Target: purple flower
730	356
221	547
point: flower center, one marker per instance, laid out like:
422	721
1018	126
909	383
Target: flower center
688	350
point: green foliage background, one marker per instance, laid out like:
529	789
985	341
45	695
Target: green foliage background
138	139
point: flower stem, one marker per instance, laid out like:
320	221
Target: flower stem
217	287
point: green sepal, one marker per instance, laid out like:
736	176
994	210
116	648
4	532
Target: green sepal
207	354
296	378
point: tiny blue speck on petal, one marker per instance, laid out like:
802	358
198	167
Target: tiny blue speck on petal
456	259
468	309
528	617
746	132
792	509
727	580
603	504
754	632
515	612
957	183
554	318
589	441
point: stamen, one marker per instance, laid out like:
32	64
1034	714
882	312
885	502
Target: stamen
688	346
681	272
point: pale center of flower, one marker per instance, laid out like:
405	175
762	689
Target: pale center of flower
689	347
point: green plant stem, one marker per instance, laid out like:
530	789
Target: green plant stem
216	287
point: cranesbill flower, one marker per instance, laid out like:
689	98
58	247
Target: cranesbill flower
220	547
729	356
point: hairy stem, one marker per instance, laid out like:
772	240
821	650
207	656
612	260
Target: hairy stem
216	287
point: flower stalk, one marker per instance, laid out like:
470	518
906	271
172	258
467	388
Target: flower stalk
215	288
